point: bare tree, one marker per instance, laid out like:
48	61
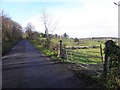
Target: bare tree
29	31
49	25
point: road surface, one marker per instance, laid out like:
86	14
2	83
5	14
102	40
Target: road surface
26	67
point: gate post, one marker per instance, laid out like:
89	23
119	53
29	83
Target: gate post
101	53
60	48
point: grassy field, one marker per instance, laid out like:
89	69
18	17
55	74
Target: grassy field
82	42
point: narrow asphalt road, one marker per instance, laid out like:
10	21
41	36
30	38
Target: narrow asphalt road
25	67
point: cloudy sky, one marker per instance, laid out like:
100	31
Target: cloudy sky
77	18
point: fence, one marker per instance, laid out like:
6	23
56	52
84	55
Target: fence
85	54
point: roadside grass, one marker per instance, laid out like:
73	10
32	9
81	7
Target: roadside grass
44	50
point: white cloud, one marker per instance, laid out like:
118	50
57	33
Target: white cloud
94	18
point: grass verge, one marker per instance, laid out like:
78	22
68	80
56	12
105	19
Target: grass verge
44	50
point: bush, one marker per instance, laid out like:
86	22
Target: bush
76	40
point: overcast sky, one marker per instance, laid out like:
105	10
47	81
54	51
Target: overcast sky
77	18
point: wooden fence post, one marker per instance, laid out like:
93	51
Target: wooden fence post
86	54
105	67
60	48
101	53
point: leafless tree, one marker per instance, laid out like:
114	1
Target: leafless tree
50	26
29	31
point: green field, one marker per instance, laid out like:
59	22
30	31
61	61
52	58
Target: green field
82	42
